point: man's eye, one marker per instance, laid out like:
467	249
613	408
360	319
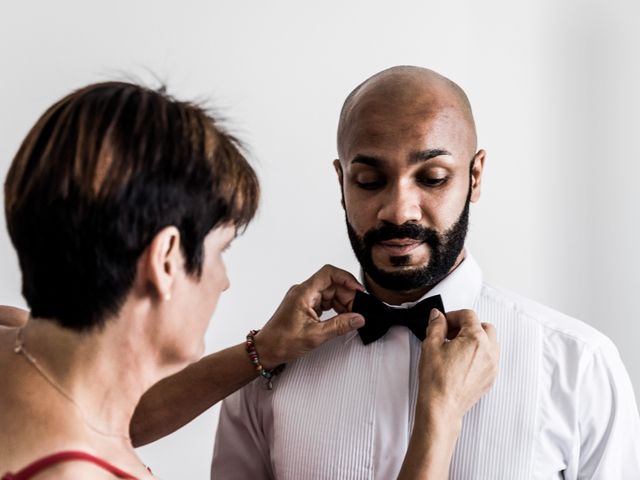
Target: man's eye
374	185
432	181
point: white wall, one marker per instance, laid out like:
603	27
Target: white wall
554	89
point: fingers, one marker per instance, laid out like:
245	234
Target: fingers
337	297
295	328
490	330
463	319
437	327
330	288
458	373
330	276
337	326
466	322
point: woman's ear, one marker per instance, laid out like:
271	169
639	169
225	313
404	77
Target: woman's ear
163	261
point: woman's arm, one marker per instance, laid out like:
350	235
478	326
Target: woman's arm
454	374
178	399
430	448
294	329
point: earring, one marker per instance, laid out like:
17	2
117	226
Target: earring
167	297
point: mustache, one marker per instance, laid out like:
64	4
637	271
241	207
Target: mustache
390	231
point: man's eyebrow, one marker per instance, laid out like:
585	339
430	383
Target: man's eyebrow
424	155
367	160
415	157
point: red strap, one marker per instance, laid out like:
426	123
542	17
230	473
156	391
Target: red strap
61	457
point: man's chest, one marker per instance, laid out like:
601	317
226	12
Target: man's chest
347	412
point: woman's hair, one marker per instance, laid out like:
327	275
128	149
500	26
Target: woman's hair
98	176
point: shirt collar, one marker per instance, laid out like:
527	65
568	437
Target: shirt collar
459	290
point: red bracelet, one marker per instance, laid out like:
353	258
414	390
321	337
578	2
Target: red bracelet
255	360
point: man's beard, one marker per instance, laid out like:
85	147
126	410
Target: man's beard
444	250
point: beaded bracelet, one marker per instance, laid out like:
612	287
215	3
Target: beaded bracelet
255	360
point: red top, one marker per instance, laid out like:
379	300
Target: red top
51	460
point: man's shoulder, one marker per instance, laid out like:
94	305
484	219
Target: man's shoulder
551	322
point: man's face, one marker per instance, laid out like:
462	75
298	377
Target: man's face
407	178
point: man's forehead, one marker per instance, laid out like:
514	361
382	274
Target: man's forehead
422	130
403	100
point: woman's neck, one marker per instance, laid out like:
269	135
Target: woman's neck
101	374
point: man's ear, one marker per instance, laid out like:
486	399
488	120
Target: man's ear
338	167
477	167
162	262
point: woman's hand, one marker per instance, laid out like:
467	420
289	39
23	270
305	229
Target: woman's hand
459	363
295	328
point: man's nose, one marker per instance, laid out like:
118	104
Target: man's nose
401	205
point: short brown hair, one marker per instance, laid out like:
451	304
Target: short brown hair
100	173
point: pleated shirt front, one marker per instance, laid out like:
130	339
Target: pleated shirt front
562	405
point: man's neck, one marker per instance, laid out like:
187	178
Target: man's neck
398	297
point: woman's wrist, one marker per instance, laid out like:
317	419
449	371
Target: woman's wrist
270	356
432	442
438	416
267	374
444	427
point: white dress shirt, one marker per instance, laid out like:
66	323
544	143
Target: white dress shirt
562	406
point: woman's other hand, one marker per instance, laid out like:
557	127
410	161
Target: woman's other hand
459	363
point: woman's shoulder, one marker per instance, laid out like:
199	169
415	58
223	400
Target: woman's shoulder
68	464
12	316
72	471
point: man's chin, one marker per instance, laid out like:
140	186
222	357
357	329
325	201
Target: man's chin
399	279
403	264
399	269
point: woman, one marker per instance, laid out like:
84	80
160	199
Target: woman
120	203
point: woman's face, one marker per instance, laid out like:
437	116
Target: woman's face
214	280
195	299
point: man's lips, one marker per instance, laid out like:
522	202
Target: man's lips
399	246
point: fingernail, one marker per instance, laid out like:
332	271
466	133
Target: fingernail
435	313
356	322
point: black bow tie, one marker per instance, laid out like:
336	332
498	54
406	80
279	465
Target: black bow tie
380	317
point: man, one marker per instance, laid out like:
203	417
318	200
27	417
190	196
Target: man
562	406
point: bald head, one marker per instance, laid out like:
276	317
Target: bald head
404	92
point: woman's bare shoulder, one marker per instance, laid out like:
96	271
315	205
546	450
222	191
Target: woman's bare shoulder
76	467
12	316
74	471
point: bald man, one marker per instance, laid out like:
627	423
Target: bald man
562	406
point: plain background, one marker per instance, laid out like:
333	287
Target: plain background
553	84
